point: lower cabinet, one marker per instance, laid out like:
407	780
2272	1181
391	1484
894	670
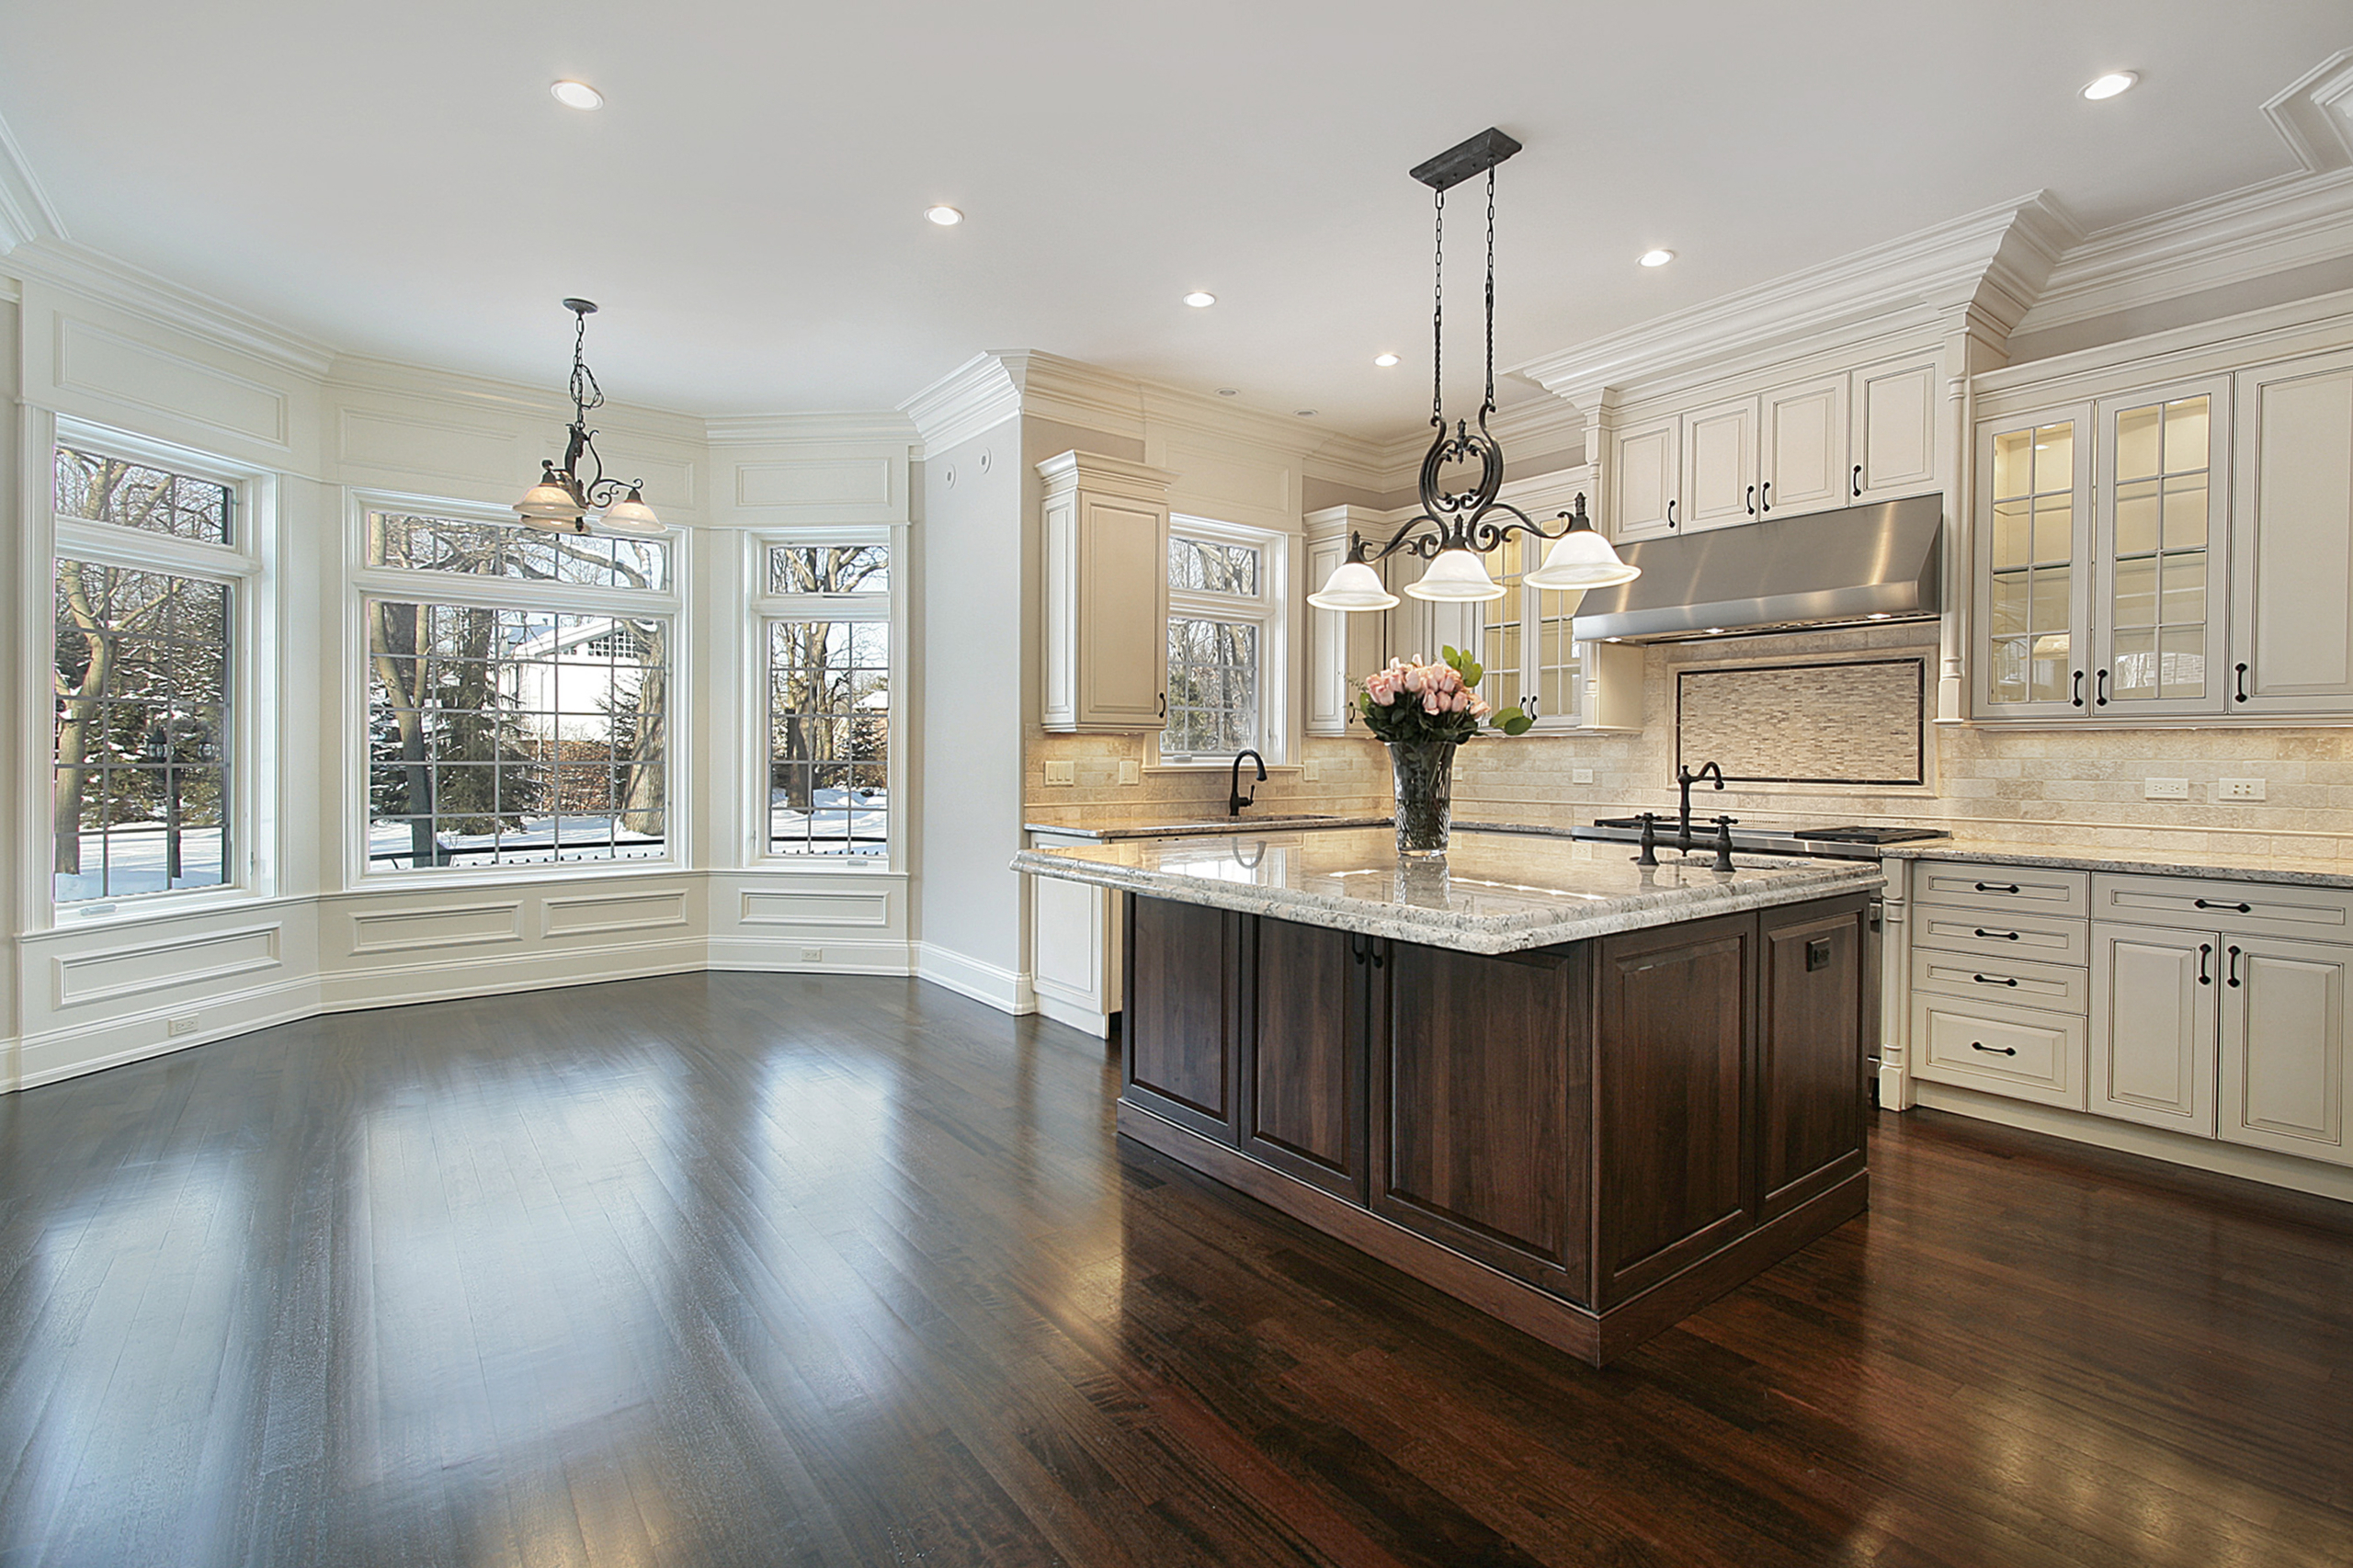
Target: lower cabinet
2283	1048
1592	1121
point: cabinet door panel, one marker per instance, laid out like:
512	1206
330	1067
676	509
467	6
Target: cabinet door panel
1810	1053
2032	657
1183	997
2013	1051
1720	465
1675	1011
1123	637
1302	1088
1806	448
1646	465
1893	451
2292	572
2154	1020
2283	1046
1480	1114
2160	542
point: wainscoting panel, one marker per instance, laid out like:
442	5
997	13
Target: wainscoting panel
399	444
164	961
818	907
418	930
591	914
97	363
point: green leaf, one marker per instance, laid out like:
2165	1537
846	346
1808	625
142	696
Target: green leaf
1512	721
1471	677
1450	654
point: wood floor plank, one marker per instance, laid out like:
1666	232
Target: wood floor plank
841	1272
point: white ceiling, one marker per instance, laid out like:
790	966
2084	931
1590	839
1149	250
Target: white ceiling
394	179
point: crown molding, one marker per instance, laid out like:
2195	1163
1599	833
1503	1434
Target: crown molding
977	395
75	269
2293	221
26	213
361	373
1994	259
770	429
2313	114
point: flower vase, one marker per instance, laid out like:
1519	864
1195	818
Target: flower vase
1425	772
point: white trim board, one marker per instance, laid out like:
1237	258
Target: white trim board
983	982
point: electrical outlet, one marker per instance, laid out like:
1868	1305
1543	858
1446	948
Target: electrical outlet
1131	770
185	1024
2165	789
813	955
1314	770
2239	789
1580	775
1064	772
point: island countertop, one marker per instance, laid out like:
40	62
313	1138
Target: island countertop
1494	893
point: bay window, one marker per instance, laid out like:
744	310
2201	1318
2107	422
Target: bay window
826	634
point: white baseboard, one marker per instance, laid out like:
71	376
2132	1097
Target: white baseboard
1078	1018
2130	1138
766	955
444	980
980	979
69	1053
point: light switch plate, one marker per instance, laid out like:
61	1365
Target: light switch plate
2165	789
1063	772
2239	789
1131	770
1580	775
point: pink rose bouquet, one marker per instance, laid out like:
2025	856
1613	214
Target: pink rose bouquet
1433	702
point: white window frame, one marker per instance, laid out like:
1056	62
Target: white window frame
365	582
889	607
251	811
1539	497
1269	610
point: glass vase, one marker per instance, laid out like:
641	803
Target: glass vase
1425	772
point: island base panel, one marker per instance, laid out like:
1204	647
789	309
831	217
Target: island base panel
1595	1338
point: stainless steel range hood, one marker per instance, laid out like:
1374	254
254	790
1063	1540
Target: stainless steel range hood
1857	564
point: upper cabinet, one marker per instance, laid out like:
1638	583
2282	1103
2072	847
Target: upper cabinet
2291	561
1805	446
1106	594
2180	550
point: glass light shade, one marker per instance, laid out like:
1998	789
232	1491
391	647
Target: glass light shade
549	501
1582	559
1456	575
576	524
1353	586
630	517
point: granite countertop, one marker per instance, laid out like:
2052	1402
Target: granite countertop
1495	894
1107	832
2227	863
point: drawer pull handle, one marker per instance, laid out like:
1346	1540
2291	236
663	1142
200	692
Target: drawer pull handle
1994	980
2233	977
1997	887
2242	908
1993	1050
2079	688
2205	952
2004	935
2242	691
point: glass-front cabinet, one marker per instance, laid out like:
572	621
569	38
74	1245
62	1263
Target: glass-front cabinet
2102	528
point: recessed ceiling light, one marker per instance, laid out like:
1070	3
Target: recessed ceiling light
1655	258
1307	414
2108	86
1385	360
947	217
1229	392
577	94
1201	301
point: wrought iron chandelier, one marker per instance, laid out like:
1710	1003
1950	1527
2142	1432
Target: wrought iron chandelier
1459	529
560	502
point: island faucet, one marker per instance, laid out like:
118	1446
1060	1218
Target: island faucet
1235	799
1684	779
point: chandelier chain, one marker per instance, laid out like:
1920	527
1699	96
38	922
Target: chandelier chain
1437	322
1489	407
585	393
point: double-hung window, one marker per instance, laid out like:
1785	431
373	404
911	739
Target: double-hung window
1227	642
517	693
154	571
826	635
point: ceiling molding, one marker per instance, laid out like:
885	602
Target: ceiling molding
363	373
1990	257
770	429
26	213
2313	114
977	395
2293	221
62	263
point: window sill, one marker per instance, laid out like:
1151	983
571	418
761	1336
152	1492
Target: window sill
815	865
510	875
140	908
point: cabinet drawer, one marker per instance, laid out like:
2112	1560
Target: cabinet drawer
1977	886
2005	982
2017	1052
2209	903
2011	937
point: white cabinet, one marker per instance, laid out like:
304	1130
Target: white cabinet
1645	479
2283	1082
1990	1010
1341	647
1078	936
1720	465
1804	465
2291	641
2154	1027
1891	447
1105	595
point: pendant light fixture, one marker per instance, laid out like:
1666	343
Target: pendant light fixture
1459	532
560	502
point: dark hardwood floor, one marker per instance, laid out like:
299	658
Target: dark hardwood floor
776	1270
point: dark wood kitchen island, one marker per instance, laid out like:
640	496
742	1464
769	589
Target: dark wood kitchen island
1584	1097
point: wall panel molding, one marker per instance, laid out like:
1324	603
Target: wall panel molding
166	961
603	914
803	908
423	930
